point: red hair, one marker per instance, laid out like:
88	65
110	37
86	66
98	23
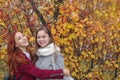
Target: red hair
13	52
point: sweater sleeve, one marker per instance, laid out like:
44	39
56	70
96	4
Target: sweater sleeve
42	74
60	64
59	61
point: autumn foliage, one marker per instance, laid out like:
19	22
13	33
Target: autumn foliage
87	32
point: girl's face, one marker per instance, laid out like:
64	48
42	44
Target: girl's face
21	40
43	38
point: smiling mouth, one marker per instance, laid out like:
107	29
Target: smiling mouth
25	42
41	43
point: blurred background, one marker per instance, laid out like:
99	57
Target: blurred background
87	32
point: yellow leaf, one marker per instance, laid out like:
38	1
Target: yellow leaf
2	23
112	37
89	52
108	63
66	50
103	39
53	31
112	28
27	32
81	42
103	30
106	15
72	36
107	0
96	39
77	64
32	39
1	40
92	41
51	13
84	54
2	56
73	74
76	70
79	59
86	19
4	50
44	8
90	75
115	35
79	25
98	12
92	56
93	32
70	48
83	34
104	51
116	65
75	16
100	47
69	26
116	50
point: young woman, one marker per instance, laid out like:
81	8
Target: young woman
49	55
20	64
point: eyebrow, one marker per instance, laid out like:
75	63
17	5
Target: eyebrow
19	36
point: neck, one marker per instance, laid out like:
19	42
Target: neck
23	49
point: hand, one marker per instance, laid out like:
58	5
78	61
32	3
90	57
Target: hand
66	72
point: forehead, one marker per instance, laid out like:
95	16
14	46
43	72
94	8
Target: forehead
18	34
41	32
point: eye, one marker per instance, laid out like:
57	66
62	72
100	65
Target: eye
38	36
19	38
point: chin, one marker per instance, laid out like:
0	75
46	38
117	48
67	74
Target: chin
26	45
43	46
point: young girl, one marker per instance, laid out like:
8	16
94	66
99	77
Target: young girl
20	64
49	55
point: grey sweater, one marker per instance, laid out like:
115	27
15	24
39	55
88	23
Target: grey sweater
46	62
50	58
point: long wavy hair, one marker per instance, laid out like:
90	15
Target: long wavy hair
13	59
48	31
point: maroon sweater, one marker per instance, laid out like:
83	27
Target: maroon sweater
30	72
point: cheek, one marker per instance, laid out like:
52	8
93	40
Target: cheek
37	41
18	43
49	40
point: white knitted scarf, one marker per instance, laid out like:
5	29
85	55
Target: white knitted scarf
48	50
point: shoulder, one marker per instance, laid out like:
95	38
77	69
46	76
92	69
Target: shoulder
59	53
20	55
22	59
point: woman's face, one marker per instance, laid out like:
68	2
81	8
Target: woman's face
43	38
21	40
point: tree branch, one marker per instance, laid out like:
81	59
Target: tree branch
56	11
37	12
